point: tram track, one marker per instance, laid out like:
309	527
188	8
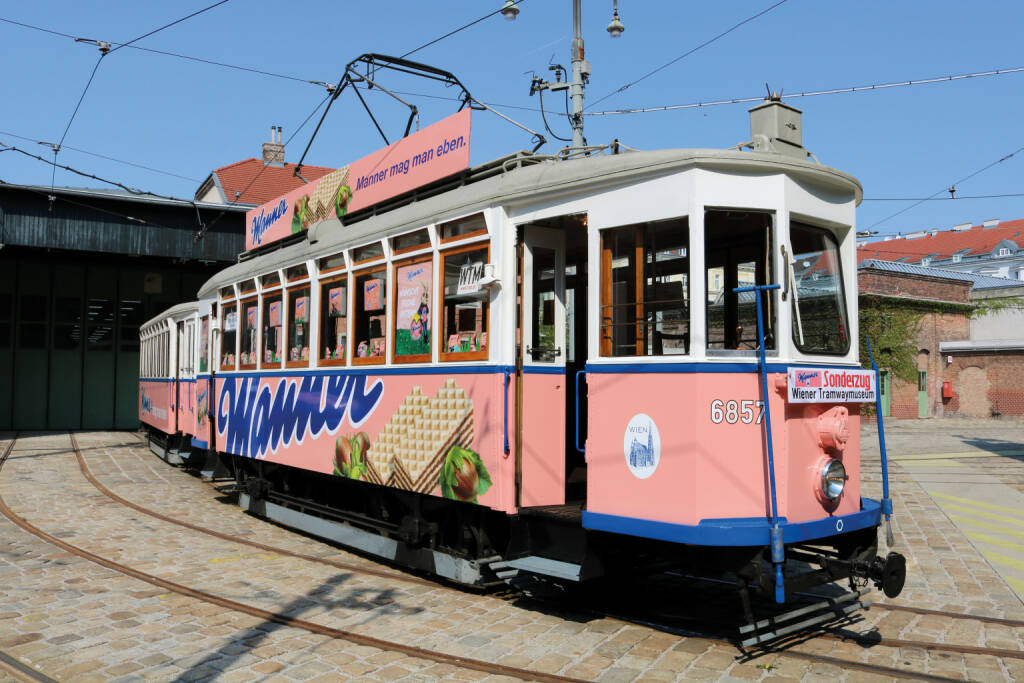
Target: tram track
866	640
274	617
870	640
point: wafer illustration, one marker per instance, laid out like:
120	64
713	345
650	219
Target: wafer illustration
321	205
410	450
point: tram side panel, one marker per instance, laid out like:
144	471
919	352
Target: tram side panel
694	462
435	434
186	407
201	433
156	404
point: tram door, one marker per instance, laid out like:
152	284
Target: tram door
541	380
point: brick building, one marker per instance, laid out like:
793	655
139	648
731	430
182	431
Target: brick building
970	355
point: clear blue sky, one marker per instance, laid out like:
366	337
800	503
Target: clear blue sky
187	118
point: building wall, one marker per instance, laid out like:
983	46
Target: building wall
905	289
986	384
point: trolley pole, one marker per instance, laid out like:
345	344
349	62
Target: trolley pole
576	88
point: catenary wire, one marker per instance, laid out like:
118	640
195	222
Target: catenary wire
958	182
101	156
688	53
811	93
933	198
173	23
461	28
132	190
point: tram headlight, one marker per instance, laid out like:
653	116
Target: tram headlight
833	479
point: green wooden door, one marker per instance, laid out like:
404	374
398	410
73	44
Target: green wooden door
7	271
65	390
922	394
31	363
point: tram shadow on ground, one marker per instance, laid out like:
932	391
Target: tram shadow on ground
329	595
997	447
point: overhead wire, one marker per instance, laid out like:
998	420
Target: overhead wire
933	198
461	28
101	156
688	53
133	190
953	185
173	23
813	93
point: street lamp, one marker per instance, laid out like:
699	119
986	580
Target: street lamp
510	11
615	28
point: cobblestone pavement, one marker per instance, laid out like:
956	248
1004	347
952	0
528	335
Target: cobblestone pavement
75	620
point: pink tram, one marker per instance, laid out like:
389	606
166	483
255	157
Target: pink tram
548	368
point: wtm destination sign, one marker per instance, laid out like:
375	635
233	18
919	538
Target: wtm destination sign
821	385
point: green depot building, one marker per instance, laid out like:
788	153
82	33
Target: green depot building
80	271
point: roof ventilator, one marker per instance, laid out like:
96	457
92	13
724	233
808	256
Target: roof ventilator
776	127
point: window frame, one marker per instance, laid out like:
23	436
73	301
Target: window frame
262	318
640	306
465	236
353	343
220	342
241	327
343	277
372	259
794	314
393	309
442	331
408	250
287	301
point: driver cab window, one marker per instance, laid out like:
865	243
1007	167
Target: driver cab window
738	253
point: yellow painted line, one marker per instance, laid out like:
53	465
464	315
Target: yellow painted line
986	515
979	504
998	542
985	525
1004	561
951	456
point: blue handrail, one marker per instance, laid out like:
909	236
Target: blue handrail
886	501
580	448
777	546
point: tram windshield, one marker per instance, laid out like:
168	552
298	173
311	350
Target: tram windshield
819	315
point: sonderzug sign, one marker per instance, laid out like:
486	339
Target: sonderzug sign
435	152
830	385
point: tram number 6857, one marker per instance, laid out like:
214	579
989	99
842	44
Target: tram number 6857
731	412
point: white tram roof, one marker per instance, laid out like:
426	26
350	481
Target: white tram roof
176	312
518	179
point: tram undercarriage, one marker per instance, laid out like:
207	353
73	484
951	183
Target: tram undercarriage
546	549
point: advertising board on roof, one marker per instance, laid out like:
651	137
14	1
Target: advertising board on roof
435	152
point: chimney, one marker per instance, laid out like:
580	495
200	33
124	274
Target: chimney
990	223
777	127
273	151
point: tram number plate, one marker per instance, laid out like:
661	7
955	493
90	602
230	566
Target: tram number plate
731	412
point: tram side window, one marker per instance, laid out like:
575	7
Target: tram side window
370	319
738	253
466	305
298	326
204	345
273	318
333	321
819	311
645	289
228	336
247	346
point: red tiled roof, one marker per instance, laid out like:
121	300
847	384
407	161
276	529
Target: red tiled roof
975	241
259	183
